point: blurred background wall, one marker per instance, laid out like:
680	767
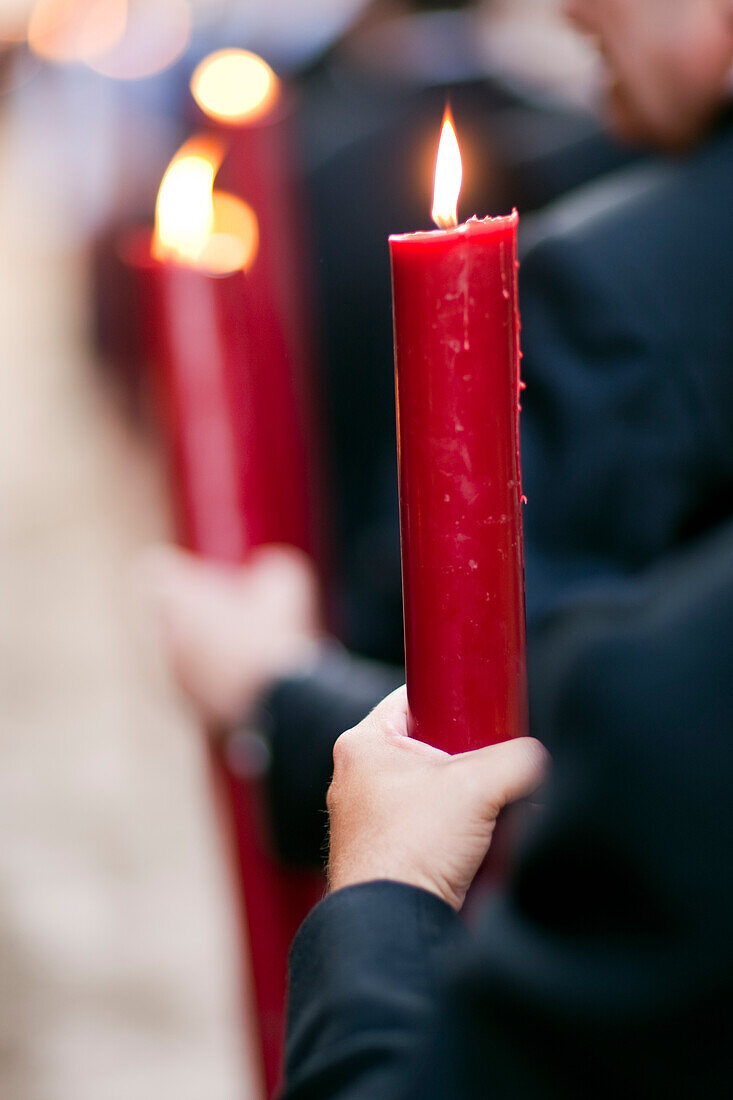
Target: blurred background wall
118	954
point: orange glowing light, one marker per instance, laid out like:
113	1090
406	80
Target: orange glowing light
75	30
234	238
197	226
448	176
234	86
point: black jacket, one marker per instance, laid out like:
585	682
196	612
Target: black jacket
606	966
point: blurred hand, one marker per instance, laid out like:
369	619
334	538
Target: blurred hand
404	811
230	632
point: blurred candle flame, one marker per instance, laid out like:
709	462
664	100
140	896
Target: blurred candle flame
448	176
234	239
197	226
234	86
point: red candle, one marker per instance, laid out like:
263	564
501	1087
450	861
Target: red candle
230	404
250	110
230	397
456	330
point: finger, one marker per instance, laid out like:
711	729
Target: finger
391	715
389	718
156	567
277	557
501	774
168	574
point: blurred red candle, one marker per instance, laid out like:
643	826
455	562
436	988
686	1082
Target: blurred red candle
230	393
241	101
230	399
456	331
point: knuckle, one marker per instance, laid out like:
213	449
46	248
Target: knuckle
535	754
344	749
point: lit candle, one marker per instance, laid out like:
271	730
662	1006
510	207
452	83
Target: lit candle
233	421
239	98
456	330
228	394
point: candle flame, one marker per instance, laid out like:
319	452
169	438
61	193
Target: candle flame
196	225
448	176
184	212
234	86
234	239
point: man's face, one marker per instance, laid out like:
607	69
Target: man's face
667	61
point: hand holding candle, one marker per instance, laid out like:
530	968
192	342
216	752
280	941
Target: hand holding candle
407	812
456	328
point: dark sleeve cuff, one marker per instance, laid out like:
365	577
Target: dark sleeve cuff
365	973
301	718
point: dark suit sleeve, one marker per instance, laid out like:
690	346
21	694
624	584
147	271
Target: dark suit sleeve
364	979
301	718
611	958
609	955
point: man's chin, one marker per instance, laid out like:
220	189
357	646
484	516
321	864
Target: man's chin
627	124
634	128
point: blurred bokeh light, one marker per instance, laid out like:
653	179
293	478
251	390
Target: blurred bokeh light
234	86
76	30
197	226
184	215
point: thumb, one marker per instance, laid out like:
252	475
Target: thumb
500	774
390	714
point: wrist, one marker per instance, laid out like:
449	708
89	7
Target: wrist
295	658
342	875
